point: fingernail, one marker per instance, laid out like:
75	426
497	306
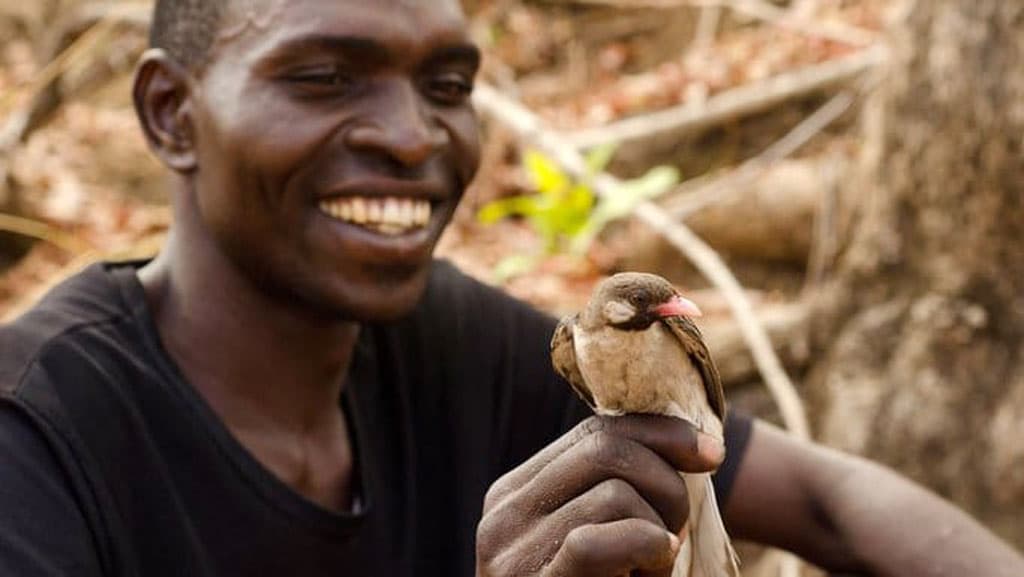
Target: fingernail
674	543
711	448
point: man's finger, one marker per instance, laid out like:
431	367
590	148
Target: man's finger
612	500
674	440
603	456
614	549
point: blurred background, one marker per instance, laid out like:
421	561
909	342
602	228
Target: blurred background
838	183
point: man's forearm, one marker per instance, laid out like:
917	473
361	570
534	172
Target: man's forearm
853	517
896	528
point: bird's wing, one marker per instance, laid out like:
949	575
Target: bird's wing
693	343
563	358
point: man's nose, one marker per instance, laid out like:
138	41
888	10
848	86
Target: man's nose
400	126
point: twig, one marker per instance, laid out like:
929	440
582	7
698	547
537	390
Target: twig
42	231
98	21
707	27
787	326
761	10
17	124
529	128
744	100
693	196
802	24
823	243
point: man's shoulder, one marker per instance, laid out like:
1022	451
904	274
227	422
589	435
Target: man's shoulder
87	307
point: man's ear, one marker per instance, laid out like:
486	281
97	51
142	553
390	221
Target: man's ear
163	102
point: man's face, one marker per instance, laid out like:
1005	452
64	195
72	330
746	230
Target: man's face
334	139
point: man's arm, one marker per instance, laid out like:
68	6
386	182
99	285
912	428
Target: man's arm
849	515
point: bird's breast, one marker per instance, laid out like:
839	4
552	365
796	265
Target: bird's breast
643	372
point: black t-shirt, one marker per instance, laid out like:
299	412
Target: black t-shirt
111	464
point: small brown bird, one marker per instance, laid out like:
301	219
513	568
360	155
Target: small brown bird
634	350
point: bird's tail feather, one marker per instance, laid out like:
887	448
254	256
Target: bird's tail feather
706	550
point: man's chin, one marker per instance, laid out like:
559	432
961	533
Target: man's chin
387	298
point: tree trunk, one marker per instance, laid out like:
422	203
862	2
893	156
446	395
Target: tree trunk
921	353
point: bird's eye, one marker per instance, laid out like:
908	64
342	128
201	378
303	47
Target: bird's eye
636	300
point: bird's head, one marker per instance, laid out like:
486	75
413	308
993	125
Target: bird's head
635	301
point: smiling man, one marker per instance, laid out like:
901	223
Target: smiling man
293	386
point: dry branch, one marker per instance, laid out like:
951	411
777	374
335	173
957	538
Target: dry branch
707	27
76	39
760	10
697	194
529	128
787	326
41	231
768	217
673	123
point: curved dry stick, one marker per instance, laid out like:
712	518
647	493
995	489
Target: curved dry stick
41	231
761	10
753	97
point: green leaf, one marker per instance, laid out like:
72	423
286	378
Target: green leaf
566	211
622	201
502	208
547	176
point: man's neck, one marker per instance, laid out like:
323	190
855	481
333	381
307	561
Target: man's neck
243	347
273	375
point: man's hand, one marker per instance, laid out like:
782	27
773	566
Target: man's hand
604	500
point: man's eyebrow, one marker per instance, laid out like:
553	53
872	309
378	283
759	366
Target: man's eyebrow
371	51
462	53
363	48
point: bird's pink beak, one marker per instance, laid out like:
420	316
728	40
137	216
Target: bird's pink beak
678	307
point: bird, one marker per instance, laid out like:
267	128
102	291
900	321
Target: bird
634	349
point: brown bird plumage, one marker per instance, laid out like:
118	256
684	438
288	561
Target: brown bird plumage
632	350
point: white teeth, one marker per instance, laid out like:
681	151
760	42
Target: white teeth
409	212
391	212
390	216
374	211
359	214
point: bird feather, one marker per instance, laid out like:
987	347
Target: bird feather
563	358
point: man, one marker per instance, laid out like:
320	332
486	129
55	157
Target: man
293	387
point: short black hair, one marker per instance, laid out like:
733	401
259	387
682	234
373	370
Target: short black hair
186	29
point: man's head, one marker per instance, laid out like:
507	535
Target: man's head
321	145
186	29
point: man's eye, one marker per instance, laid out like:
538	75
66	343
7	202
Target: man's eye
327	78
450	89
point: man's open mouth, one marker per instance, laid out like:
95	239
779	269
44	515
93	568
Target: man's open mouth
392	216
